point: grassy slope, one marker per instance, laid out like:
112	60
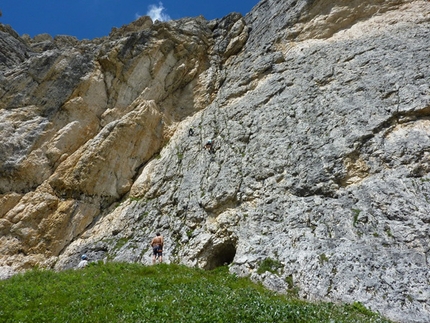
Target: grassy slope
118	292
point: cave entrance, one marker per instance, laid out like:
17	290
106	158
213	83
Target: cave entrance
220	255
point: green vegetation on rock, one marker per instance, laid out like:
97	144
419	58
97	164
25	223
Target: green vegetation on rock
269	265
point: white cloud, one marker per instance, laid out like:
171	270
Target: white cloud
156	12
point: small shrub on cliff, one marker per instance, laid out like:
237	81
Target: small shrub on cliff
117	292
269	265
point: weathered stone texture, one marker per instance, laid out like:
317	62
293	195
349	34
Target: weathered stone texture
319	112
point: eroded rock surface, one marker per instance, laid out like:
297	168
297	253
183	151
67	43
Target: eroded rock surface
320	116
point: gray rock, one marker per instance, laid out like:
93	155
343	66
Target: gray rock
319	116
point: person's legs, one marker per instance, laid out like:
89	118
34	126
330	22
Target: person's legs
154	255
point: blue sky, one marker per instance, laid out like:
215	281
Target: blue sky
95	18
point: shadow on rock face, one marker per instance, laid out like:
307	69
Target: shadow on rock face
220	254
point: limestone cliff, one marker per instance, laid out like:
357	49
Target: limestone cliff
320	116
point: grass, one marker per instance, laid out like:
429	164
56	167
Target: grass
356	213
269	265
323	259
118	292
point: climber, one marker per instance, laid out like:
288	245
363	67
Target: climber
157	248
84	261
209	146
190	132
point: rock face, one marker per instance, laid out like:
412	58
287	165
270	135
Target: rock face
319	112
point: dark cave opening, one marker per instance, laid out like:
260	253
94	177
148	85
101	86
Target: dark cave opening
220	255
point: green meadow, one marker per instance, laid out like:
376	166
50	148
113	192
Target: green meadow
120	292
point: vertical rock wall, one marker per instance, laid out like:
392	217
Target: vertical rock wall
319	114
